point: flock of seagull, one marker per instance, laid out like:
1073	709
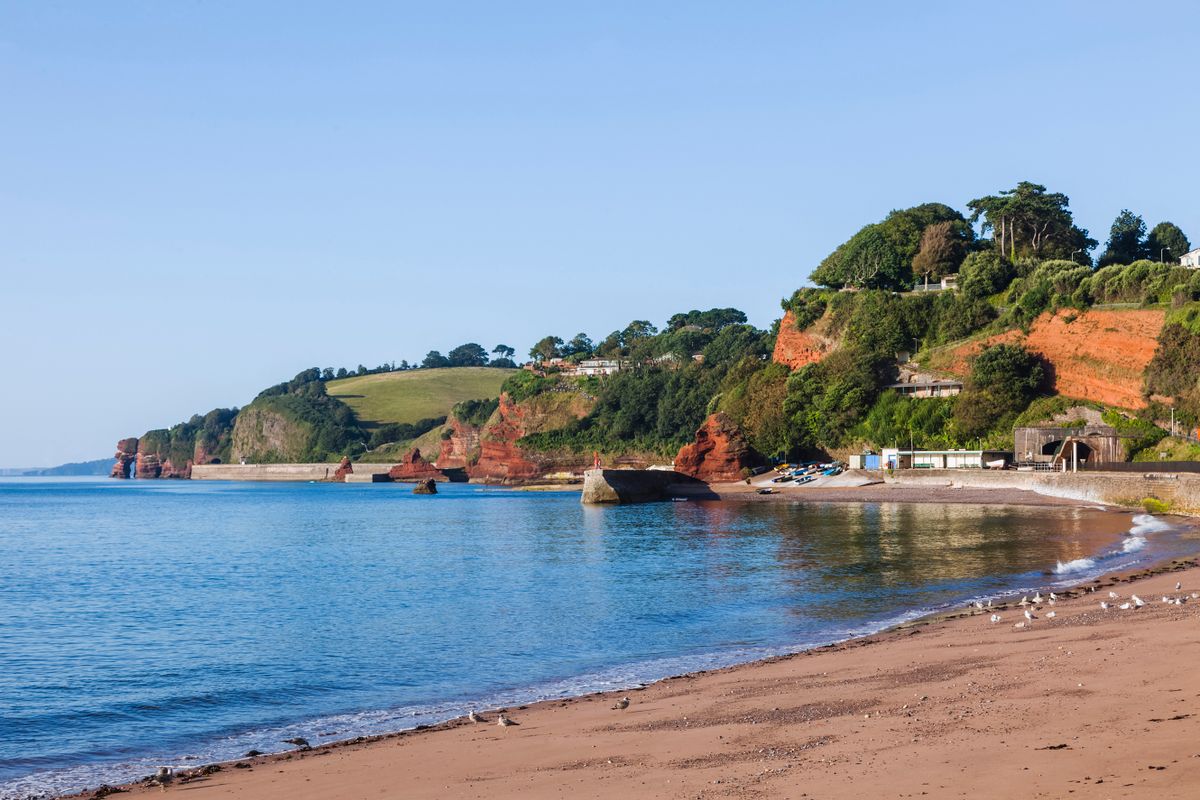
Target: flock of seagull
505	721
1134	602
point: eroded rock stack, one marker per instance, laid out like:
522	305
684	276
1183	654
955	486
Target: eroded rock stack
719	454
126	456
415	468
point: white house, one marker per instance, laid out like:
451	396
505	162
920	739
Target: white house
1190	260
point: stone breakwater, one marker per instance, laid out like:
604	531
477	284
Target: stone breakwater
1181	491
618	486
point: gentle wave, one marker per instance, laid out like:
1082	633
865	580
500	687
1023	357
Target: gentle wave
1078	565
1135	540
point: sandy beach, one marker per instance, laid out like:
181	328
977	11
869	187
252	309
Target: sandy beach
1087	703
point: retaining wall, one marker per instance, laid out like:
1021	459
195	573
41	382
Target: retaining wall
1181	490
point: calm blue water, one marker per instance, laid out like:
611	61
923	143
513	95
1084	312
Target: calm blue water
147	623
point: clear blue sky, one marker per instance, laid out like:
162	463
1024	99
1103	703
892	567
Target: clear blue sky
199	199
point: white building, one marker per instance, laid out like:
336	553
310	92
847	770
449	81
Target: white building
597	366
1190	260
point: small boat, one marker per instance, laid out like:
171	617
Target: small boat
766	490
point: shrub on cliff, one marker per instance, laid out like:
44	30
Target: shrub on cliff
301	424
475	412
1004	380
524	384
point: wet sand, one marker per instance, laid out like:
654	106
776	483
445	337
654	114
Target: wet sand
1090	704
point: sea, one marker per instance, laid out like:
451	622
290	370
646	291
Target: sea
177	623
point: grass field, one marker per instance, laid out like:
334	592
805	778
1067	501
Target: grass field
417	394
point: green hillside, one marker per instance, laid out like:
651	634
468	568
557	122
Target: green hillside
413	395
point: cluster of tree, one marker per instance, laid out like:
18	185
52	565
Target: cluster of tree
470	355
929	239
332	428
392	432
211	433
659	400
1128	241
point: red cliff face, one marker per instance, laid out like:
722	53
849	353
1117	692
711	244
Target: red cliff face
126	455
151	464
719	454
462	448
500	460
796	348
415	468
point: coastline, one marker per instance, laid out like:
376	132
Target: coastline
792	725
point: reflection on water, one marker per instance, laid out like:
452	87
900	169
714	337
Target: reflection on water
148	620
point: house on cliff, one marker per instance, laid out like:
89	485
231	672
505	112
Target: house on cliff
1191	259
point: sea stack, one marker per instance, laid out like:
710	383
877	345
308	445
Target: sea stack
427	486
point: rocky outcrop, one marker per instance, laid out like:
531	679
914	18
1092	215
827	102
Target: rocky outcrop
344	468
795	348
460	445
427	486
126	455
502	460
719	454
1098	355
415	468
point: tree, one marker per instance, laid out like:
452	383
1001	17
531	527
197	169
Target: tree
1125	239
638	329
467	355
1004	379
1166	242
714	319
866	261
327	374
434	359
984	273
547	348
903	228
504	351
342	372
1028	221
942	250
579	345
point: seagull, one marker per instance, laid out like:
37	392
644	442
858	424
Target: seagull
1052	600
164	777
989	603
1178	585
299	741
1167	599
1051	614
1024	601
1019	625
504	721
1053	597
1137	601
995	618
621	704
1113	595
474	717
1103	606
1124	606
1037	598
1029	615
979	605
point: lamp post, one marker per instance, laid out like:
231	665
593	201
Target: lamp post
1076	250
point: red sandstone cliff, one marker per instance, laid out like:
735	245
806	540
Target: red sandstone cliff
795	348
461	448
719	454
1097	355
501	460
344	468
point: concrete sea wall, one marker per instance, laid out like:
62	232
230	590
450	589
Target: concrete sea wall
616	486
278	472
1180	490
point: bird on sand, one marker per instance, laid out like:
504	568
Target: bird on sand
1113	595
164	777
1051	614
504	722
474	717
1125	606
1053	597
621	704
995	618
1103	606
1020	625
1037	598
299	741
1024	601
1138	602
1029	615
979	605
1178	585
